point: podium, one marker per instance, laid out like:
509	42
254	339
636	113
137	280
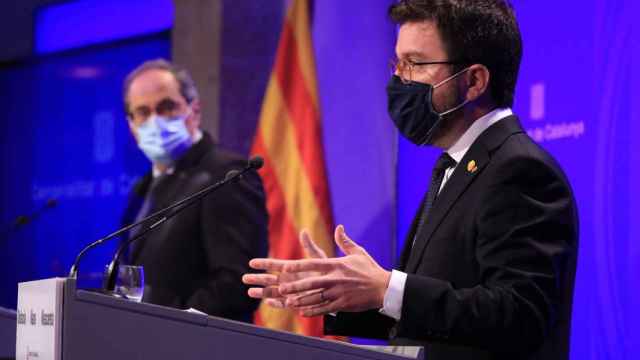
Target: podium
96	326
7	333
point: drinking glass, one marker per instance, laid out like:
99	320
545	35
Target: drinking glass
130	282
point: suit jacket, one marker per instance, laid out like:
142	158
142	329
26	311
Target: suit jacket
197	258
491	273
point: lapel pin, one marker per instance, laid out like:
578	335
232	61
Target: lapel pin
471	166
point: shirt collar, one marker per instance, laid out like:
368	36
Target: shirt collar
460	147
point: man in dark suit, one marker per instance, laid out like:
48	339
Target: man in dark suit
196	259
488	268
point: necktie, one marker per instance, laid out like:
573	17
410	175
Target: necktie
444	162
148	205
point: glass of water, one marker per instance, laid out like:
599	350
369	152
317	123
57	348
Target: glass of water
130	282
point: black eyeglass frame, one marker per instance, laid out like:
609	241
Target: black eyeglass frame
395	64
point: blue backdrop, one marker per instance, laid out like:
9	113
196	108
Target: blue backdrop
64	137
577	97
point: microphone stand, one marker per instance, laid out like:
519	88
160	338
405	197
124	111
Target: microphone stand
112	269
166	213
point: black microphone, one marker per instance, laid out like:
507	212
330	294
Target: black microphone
256	162
25	219
166	213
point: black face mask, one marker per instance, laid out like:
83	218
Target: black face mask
410	106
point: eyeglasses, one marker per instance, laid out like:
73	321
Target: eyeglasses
409	70
166	107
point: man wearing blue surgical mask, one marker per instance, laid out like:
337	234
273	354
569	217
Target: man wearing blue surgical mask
196	259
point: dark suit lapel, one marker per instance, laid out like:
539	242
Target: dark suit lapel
454	187
471	165
408	242
164	194
136	197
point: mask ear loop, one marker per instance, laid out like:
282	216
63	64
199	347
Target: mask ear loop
456	108
451	77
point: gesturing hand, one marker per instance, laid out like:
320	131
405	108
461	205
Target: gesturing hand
354	282
270	292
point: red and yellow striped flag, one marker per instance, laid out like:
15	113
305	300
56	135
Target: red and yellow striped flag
289	137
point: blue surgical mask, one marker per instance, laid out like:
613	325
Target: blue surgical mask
164	139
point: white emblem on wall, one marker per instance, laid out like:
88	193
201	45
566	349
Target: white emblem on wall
103	136
536	111
546	130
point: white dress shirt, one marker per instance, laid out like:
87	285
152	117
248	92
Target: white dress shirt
392	304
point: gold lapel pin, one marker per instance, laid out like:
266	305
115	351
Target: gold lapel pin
472	166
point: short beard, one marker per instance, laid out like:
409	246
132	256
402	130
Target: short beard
448	122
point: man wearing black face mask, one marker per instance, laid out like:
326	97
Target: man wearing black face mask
488	267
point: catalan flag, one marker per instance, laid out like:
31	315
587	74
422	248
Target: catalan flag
289	137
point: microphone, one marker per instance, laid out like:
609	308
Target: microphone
25	219
165	214
256	162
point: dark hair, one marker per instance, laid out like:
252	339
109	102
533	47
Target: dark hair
474	32
188	88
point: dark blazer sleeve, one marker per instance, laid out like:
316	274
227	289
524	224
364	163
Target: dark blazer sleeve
234	230
524	237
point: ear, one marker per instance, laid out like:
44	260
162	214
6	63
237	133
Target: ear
477	78
193	121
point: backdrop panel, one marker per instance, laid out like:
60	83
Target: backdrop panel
65	138
577	97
